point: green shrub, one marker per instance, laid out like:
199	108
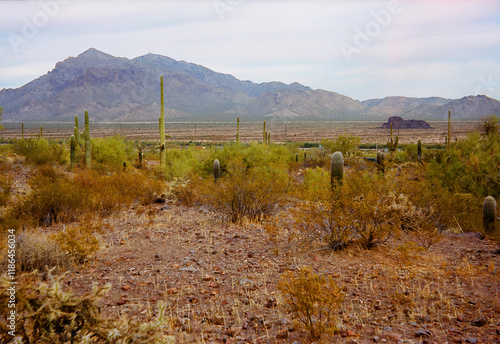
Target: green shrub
112	152
41	151
346	144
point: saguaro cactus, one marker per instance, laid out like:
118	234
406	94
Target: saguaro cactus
489	214
264	134
77	130
86	136
449	131
237	130
337	169
22	130
72	152
140	156
381	161
393	145
268	138
41	132
163	151
419	150
216	169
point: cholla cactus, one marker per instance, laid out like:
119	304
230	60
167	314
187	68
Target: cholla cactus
489	214
337	169
216	169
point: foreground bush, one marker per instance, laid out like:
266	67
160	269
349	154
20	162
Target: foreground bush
356	213
312	299
46	312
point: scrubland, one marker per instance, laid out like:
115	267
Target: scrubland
272	251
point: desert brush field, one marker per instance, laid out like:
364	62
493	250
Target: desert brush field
311	237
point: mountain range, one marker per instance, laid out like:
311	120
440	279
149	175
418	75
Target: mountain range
121	89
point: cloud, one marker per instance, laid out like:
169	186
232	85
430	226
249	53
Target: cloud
427	48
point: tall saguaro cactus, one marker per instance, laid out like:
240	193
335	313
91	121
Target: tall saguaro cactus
393	145
86	136
449	131
264	134
237	130
163	151
72	153
489	214
22	130
419	150
337	169
77	130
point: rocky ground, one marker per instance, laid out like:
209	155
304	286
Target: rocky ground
220	281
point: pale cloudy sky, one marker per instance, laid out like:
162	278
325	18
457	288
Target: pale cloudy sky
362	49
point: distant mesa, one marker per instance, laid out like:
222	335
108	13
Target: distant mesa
399	123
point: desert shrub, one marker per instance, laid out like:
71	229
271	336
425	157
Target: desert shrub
112	152
5	189
78	241
60	197
312	299
47	312
38	251
53	197
490	126
251	156
41	151
470	167
346	144
356	212
242	193
248	193
181	162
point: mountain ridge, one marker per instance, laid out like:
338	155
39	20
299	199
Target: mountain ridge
121	89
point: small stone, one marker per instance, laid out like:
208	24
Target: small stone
350	333
393	336
190	269
172	291
233	331
479	322
126	287
423	333
471	340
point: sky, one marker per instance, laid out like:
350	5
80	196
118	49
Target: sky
361	49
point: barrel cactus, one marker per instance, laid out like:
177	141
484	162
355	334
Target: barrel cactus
381	161
489	214
337	169
216	169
